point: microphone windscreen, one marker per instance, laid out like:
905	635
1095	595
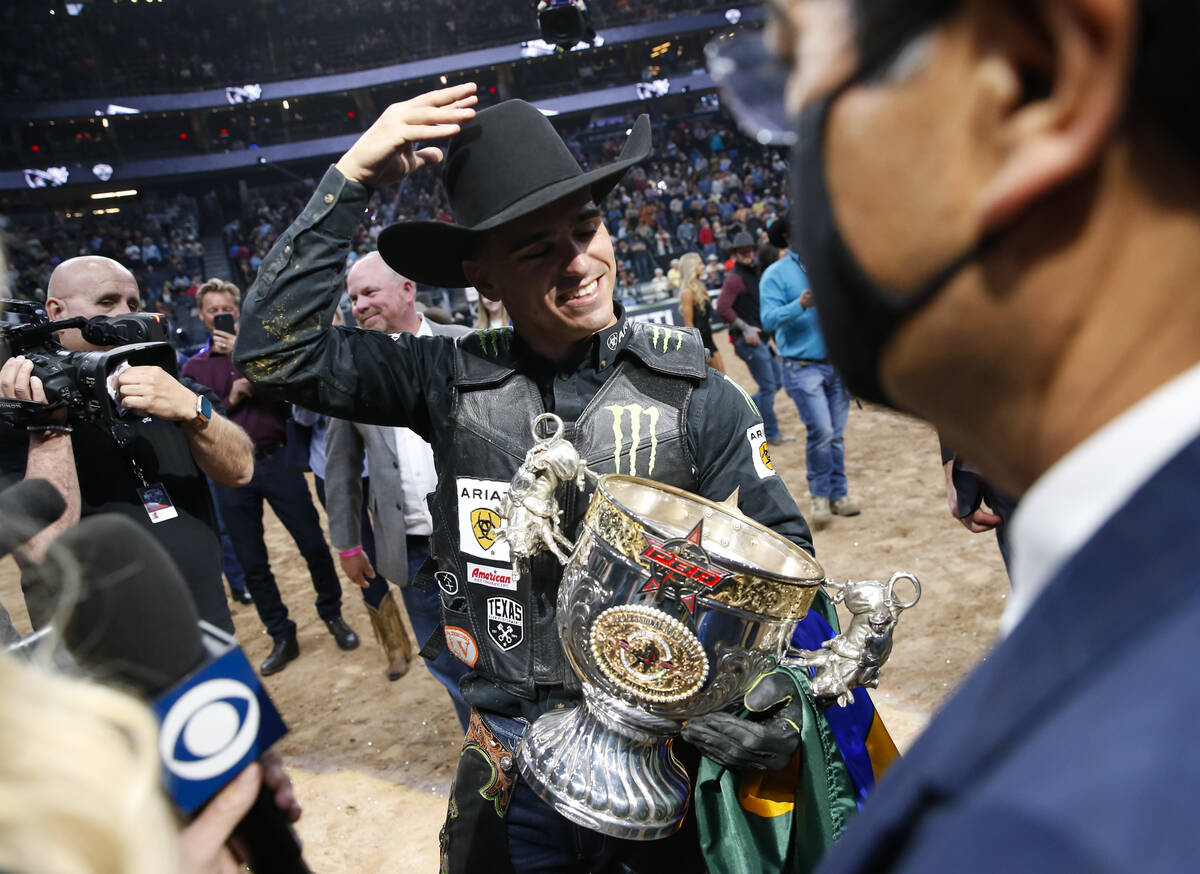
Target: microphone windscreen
25	509
135	620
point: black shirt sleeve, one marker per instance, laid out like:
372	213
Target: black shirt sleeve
287	345
727	442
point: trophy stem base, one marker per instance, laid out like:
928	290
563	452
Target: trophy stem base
607	766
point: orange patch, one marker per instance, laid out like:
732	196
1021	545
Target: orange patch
461	645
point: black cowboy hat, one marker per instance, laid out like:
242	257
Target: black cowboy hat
742	240
507	162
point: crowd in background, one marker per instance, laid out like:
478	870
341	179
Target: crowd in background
706	182
127	48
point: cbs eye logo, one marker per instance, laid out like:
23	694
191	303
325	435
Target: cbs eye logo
209	729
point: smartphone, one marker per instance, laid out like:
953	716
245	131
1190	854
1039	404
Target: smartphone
224	322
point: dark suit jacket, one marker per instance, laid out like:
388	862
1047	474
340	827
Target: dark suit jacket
1074	747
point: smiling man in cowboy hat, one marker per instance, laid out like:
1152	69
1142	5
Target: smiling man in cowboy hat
636	398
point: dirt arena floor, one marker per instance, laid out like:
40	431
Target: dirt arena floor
372	760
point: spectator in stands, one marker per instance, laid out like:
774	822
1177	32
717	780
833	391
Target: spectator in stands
714	271
686	234
659	289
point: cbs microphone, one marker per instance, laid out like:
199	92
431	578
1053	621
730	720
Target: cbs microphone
135	624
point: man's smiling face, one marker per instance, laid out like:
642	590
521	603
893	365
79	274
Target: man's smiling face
554	270
381	299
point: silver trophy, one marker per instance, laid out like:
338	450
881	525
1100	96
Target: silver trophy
670	606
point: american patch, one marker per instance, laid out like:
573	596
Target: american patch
505	622
756	435
461	645
496	577
479	518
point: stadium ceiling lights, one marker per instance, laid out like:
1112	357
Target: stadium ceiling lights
108	195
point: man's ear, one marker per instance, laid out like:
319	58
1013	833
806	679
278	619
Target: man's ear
54	308
477	274
1054	91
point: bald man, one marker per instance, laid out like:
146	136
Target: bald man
171	446
400	476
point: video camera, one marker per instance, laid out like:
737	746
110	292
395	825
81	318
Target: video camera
78	381
565	23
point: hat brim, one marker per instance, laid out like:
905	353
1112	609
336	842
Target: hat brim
432	252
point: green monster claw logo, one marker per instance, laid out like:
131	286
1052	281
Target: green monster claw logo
635	411
665	335
491	339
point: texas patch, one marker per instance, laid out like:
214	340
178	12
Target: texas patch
505	622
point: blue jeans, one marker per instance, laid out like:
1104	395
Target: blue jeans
764	370
286	491
823	404
424	607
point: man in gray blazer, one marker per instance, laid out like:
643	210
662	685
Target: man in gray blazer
400	473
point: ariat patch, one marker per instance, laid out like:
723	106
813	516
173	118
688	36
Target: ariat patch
756	435
479	518
461	645
505	622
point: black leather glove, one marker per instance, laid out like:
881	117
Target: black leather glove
764	739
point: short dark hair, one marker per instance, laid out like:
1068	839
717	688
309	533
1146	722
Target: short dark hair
1166	65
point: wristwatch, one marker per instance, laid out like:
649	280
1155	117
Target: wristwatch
203	412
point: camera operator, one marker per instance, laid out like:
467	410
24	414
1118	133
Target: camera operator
180	437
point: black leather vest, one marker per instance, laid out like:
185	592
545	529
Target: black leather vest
500	624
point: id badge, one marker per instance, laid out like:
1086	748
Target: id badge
157	503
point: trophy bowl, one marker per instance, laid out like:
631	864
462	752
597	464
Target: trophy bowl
670	606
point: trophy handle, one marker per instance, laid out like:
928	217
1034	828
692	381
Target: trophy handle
891	588
531	515
855	657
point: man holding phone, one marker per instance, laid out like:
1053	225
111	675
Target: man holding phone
274	481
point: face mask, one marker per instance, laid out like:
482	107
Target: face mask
858	315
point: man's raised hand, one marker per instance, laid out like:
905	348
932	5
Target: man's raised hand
385	152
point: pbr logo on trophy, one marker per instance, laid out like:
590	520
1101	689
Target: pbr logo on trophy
670	607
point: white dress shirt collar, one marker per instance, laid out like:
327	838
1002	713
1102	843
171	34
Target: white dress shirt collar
1071	501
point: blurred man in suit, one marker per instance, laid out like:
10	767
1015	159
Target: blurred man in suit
400	474
1026	282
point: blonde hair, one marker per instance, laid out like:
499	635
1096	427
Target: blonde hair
217	286
79	779
483	319
690	279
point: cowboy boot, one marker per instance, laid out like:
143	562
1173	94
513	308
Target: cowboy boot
390	631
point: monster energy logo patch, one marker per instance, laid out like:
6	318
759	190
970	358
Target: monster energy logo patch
745	394
661	338
636	412
489	341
